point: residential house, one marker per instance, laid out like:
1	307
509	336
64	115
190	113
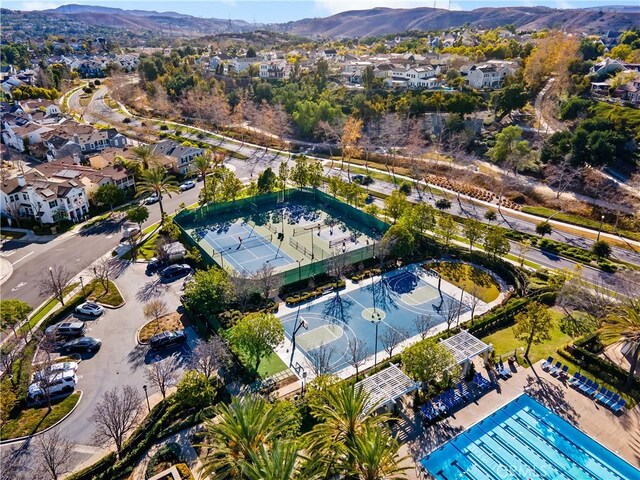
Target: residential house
44	199
274	69
183	155
50	108
241	65
329	54
20	137
606	67
487	75
631	91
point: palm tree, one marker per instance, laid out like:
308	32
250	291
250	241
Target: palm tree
343	413
156	181
281	462
375	455
203	165
144	155
131	166
623	323
237	433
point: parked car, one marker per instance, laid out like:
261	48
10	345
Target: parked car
151	199
188	185
55	369
173	272
130	232
67	329
90	308
84	344
155	264
167	339
57	383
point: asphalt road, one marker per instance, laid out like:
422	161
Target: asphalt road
76	250
120	360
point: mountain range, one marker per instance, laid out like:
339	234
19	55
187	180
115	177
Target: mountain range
358	23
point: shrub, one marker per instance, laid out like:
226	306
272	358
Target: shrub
97	82
163	127
126	120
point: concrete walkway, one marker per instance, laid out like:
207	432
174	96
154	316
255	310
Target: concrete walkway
6	269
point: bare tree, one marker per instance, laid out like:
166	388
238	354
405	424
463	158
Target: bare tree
116	415
268	282
55	451
53	282
208	357
243	288
562	176
449	309
337	264
9	355
104	270
164	373
424	323
392	132
356	353
320	359
391	338
473	300
155	309
16	464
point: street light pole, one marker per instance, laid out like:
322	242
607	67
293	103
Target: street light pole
144	387
600	227
84	295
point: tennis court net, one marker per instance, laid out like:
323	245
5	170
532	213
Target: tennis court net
250	242
300	230
301	248
339	241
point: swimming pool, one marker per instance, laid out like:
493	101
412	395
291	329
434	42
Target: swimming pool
525	440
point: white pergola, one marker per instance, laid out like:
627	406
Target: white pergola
386	386
465	347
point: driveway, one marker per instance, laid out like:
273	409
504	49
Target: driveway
120	360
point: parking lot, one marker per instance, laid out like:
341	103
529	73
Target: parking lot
120	360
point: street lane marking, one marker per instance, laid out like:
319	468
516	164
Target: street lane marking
30	253
19	286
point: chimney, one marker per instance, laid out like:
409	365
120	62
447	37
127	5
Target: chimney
76	159
21	181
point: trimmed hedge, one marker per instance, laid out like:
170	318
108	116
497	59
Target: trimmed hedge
498	317
366	274
311	294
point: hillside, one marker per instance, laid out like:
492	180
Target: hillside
380	21
356	23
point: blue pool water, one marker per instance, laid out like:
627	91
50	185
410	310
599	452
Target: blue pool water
525	440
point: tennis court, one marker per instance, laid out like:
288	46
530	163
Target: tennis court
394	300
244	248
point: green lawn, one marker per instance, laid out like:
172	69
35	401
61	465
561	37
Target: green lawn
271	365
469	278
505	344
98	293
32	420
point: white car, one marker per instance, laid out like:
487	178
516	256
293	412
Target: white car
130	232
151	199
90	308
55	369
188	185
55	384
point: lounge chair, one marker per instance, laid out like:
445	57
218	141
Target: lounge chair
457	398
618	407
482	382
575	379
554	369
564	372
429	412
600	394
615	398
503	371
547	363
464	391
591	391
586	386
604	397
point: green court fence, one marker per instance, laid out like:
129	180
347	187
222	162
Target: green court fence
244	207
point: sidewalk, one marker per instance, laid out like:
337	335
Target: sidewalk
6	269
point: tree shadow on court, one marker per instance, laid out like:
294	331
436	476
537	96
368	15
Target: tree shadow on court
151	290
338	307
553	397
382	294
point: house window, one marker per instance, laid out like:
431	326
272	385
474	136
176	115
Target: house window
53	204
25	196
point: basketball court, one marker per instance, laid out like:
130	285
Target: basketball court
392	301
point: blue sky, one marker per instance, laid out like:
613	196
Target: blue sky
281	11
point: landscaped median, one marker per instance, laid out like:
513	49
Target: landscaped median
165	323
109	297
35	419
